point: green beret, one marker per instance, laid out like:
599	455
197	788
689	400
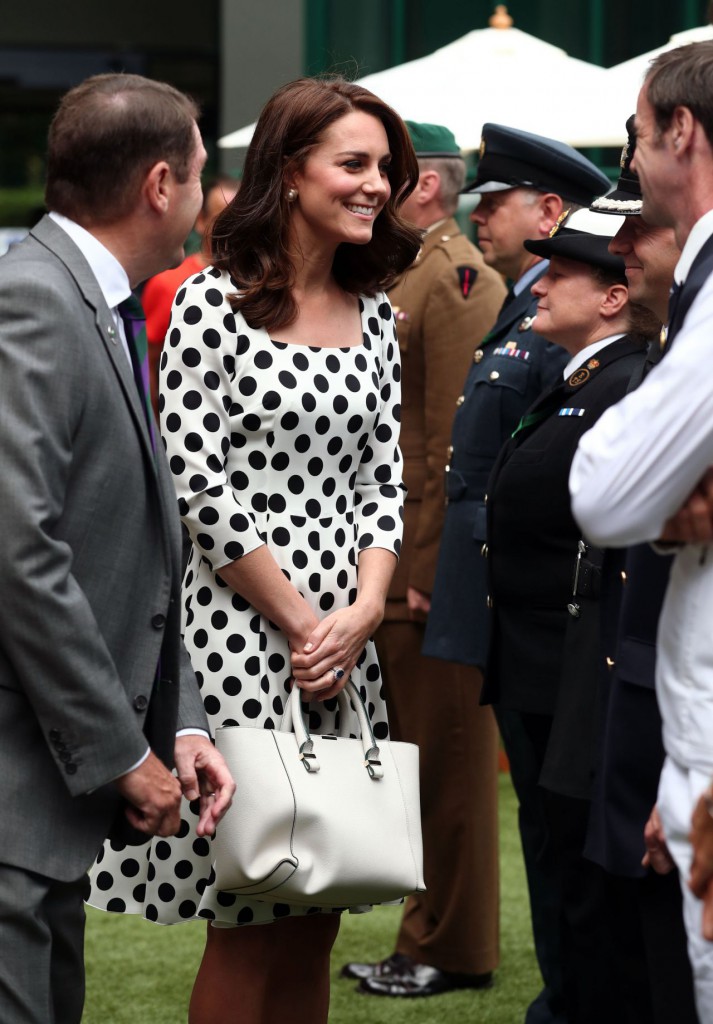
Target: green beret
432	139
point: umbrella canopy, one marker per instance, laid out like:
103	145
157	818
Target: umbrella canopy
496	74
624	80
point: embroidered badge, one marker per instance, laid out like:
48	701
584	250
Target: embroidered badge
511	350
578	377
466	276
571	412
526	324
560	221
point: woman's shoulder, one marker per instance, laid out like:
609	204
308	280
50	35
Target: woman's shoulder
212	289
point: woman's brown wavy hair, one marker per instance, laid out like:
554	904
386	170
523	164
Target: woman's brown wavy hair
250	237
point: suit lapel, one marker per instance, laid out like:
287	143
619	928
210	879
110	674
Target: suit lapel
61	245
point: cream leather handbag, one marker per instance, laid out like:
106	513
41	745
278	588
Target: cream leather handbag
323	820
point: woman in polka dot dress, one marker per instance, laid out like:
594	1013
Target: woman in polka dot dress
280	414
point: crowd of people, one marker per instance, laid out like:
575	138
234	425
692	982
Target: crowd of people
557	598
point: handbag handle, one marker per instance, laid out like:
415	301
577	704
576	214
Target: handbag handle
294	720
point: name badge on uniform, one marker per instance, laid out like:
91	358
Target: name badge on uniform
571	412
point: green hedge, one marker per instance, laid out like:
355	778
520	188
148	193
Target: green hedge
19	206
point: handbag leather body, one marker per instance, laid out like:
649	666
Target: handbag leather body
322	820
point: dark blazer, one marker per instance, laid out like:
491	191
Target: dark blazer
532	536
89	564
498	389
631	752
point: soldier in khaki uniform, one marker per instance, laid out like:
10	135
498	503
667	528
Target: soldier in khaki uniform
444	305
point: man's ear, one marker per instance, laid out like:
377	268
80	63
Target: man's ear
429	184
157	186
682	129
551	207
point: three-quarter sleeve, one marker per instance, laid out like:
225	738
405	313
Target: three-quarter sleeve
197	407
379	486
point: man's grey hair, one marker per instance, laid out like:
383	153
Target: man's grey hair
451	171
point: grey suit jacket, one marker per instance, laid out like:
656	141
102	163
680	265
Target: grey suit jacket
89	565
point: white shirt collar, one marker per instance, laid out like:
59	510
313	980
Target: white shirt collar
111	276
587	353
700	233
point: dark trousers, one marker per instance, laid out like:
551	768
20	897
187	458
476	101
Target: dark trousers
525	738
652	979
41	948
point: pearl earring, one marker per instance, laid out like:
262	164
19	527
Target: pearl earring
291	195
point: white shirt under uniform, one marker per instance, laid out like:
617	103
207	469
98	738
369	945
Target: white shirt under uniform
632	471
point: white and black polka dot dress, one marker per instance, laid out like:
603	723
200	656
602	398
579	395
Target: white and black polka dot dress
283	444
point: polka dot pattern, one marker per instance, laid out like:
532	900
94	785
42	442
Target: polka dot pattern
269	443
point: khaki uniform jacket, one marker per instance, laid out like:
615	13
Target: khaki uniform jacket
443	304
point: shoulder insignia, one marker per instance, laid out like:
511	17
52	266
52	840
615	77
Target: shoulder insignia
580	376
466	276
526	324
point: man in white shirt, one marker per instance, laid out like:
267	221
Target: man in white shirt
98	697
646	456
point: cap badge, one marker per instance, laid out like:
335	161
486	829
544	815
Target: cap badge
560	220
625	155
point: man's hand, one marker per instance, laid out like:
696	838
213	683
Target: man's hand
693	523
701	879
203	775
657	855
153	796
419	604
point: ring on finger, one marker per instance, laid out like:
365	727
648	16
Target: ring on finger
338	674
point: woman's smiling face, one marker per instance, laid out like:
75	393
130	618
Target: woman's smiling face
343	185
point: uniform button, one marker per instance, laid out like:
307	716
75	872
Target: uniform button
450	449
71	768
484	551
55	735
158	621
623	576
478	355
460	399
140	703
610	663
65	756
445	238
493	375
485	499
489	601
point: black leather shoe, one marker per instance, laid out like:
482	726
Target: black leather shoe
420	980
397	962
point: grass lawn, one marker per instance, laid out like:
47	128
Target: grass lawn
139	973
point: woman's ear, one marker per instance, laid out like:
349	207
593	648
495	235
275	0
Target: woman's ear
614	300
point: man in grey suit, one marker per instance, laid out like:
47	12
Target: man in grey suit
94	682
